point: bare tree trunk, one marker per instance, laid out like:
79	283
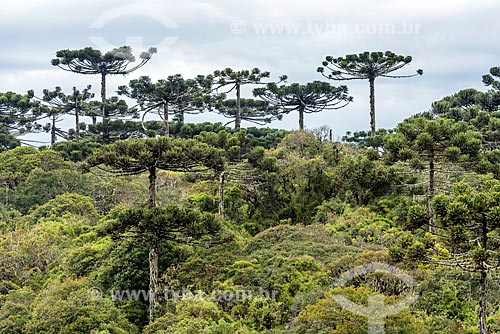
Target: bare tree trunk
431	194
221	194
53	136
165	119
153	254
77	121
237	121
372	107
482	301
105	116
301	119
482	305
152	187
153	282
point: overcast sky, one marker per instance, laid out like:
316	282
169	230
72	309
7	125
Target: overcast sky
454	42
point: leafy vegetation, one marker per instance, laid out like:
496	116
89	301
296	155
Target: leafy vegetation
159	226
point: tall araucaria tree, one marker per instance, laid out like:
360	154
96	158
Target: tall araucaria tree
470	220
75	103
172	96
172	224
234	80
133	157
92	61
420	140
366	66
309	98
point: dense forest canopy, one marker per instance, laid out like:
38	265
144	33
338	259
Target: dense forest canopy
137	225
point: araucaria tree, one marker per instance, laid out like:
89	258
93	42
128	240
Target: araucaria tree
366	66
312	97
133	157
115	108
172	96
92	61
466	104
18	115
420	140
75	103
233	81
169	223
470	218
54	116
250	110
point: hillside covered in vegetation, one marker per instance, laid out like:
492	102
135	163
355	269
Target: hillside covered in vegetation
166	227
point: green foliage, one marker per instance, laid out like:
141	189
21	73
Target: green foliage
92	61
15	310
171	223
192	316
66	204
202	268
8	142
299	212
254	111
232	144
72	307
122	130
491	78
17	164
359	226
429	139
358	179
260	313
448	294
314	240
86	259
139	155
79	248
265	137
325	314
171	96
203	201
470	219
304	177
34	249
75	151
466	105
40	187
365	65
57	104
312	97
365	140
230	80
470	215
18	115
